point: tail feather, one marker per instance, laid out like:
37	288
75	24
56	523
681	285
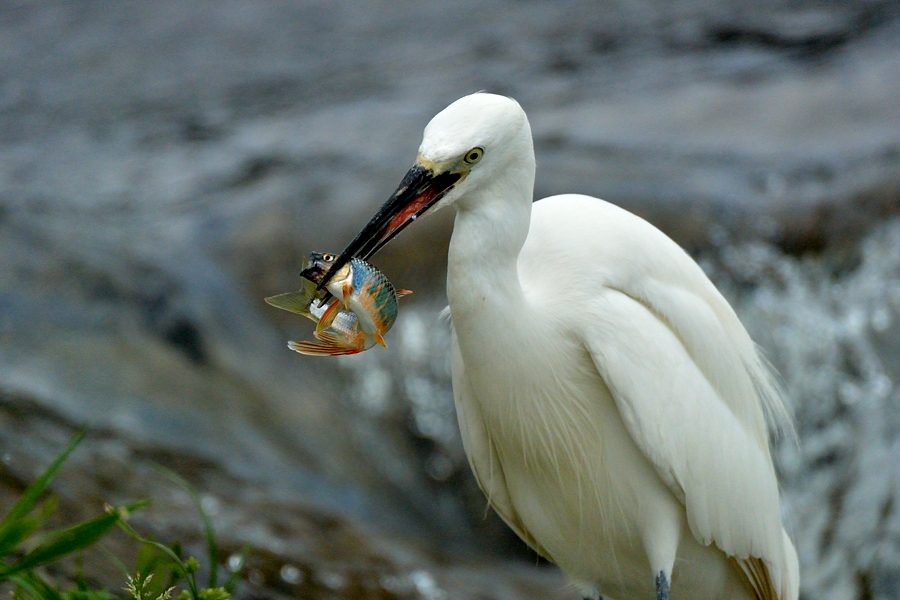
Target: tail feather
764	586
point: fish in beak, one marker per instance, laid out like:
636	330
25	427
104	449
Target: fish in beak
363	310
422	187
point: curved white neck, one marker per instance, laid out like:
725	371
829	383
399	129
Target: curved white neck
490	229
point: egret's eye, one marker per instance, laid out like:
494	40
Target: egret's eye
473	155
328	257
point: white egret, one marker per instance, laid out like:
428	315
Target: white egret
612	406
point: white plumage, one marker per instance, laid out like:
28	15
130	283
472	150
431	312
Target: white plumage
612	406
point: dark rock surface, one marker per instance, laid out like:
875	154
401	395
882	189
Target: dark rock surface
164	166
294	549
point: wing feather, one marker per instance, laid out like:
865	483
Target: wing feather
709	450
688	380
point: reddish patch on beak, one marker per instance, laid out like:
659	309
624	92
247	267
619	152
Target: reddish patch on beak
420	189
409	212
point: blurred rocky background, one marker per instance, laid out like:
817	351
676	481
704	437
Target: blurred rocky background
166	165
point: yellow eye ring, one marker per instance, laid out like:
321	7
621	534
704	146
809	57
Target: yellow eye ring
473	155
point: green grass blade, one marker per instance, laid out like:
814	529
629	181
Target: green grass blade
10	527
161	547
59	543
64	542
211	550
36	586
116	561
171	554
16	532
23	528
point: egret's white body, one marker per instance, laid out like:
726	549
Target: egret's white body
611	404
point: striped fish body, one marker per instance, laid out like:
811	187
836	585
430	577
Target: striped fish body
368	294
364	307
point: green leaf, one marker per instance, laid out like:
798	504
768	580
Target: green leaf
12	531
17	532
23	528
36	587
61	542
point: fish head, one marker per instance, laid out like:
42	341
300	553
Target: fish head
319	263
339	283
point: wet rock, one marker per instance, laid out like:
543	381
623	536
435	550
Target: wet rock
294	550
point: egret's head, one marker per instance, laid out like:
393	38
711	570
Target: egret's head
473	138
463	146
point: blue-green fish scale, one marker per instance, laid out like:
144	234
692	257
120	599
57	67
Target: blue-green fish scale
372	283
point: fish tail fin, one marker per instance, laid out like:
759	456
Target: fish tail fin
357	342
296	302
321	349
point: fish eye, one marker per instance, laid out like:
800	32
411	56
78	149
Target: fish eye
473	155
328	257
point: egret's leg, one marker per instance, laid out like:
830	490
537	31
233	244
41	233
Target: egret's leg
662	586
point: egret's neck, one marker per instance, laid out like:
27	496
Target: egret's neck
491	226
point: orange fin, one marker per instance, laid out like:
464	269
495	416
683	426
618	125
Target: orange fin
378	338
323	349
331	339
402	292
328	317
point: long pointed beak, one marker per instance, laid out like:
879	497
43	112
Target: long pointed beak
419	191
